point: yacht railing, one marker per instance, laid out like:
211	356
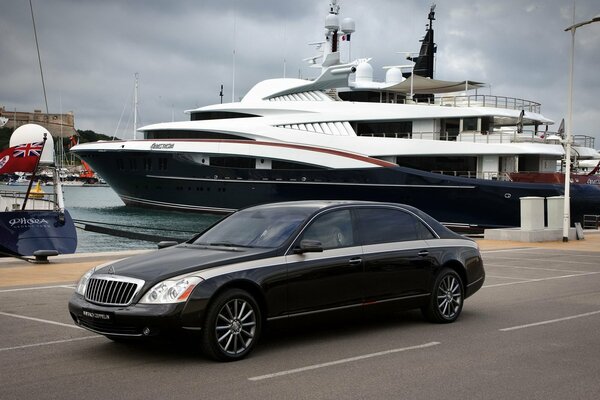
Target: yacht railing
584	141
485	100
527	136
491	175
12	200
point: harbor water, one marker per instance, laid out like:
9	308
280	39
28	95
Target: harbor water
101	206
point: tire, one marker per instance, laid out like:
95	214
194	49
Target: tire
446	301
232	326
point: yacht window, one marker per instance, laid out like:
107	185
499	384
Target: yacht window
233	162
469	124
398	129
162	163
291	165
187	134
207	115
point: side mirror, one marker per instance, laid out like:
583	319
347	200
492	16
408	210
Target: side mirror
166	243
309	246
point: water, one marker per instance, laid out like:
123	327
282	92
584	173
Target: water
102	205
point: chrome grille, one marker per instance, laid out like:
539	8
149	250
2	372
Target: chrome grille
112	290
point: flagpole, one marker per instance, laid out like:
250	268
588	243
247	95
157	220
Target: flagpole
37	163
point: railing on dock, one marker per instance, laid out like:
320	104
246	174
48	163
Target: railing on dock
591	221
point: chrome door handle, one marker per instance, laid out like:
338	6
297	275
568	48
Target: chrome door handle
355	261
423	253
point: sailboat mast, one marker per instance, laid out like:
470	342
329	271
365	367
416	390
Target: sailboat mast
135	107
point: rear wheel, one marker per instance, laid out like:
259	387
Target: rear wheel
446	300
232	326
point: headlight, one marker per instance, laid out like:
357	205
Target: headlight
83	281
175	290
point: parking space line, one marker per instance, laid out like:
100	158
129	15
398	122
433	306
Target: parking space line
25	346
534	268
539	280
40	320
551	321
547	259
503	277
342	361
71	287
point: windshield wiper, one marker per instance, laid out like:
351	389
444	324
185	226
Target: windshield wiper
227	244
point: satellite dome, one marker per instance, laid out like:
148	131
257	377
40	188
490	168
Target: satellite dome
348	25
30	133
332	22
364	72
394	75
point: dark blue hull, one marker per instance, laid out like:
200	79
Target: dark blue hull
24	232
183	184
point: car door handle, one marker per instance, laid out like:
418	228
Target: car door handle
423	253
355	261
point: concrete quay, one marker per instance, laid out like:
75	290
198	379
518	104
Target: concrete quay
66	269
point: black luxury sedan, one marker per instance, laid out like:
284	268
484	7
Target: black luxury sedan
278	261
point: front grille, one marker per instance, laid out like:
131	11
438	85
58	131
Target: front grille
112	290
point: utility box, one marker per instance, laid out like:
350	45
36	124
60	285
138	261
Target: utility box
556	210
532	213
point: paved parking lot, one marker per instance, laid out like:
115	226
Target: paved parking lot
532	332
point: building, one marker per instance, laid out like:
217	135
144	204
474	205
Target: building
59	125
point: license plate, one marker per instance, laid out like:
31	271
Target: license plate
101	316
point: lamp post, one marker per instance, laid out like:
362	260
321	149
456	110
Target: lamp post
567	203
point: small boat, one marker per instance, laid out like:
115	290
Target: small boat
33	222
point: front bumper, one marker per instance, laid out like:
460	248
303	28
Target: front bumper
135	320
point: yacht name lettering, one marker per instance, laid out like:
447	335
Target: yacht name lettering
27	221
160	146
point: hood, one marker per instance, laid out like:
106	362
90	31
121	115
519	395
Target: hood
165	263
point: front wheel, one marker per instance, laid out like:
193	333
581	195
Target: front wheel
446	300
232	326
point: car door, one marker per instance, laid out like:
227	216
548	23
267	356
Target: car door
396	258
331	278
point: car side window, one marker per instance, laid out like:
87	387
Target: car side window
386	225
333	230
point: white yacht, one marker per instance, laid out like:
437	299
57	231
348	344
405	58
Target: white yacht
437	145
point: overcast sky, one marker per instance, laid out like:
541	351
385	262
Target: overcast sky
183	52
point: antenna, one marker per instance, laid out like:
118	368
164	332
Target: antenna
233	62
221	94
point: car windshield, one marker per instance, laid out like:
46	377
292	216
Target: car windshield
264	227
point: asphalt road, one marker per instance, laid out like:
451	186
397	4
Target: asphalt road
532	332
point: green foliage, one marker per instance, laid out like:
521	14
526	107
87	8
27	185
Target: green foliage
91	136
5	137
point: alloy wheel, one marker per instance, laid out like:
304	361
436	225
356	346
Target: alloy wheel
235	326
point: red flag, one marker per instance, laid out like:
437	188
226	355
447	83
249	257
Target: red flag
22	158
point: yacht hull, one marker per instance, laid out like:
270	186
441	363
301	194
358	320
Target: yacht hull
24	232
189	186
